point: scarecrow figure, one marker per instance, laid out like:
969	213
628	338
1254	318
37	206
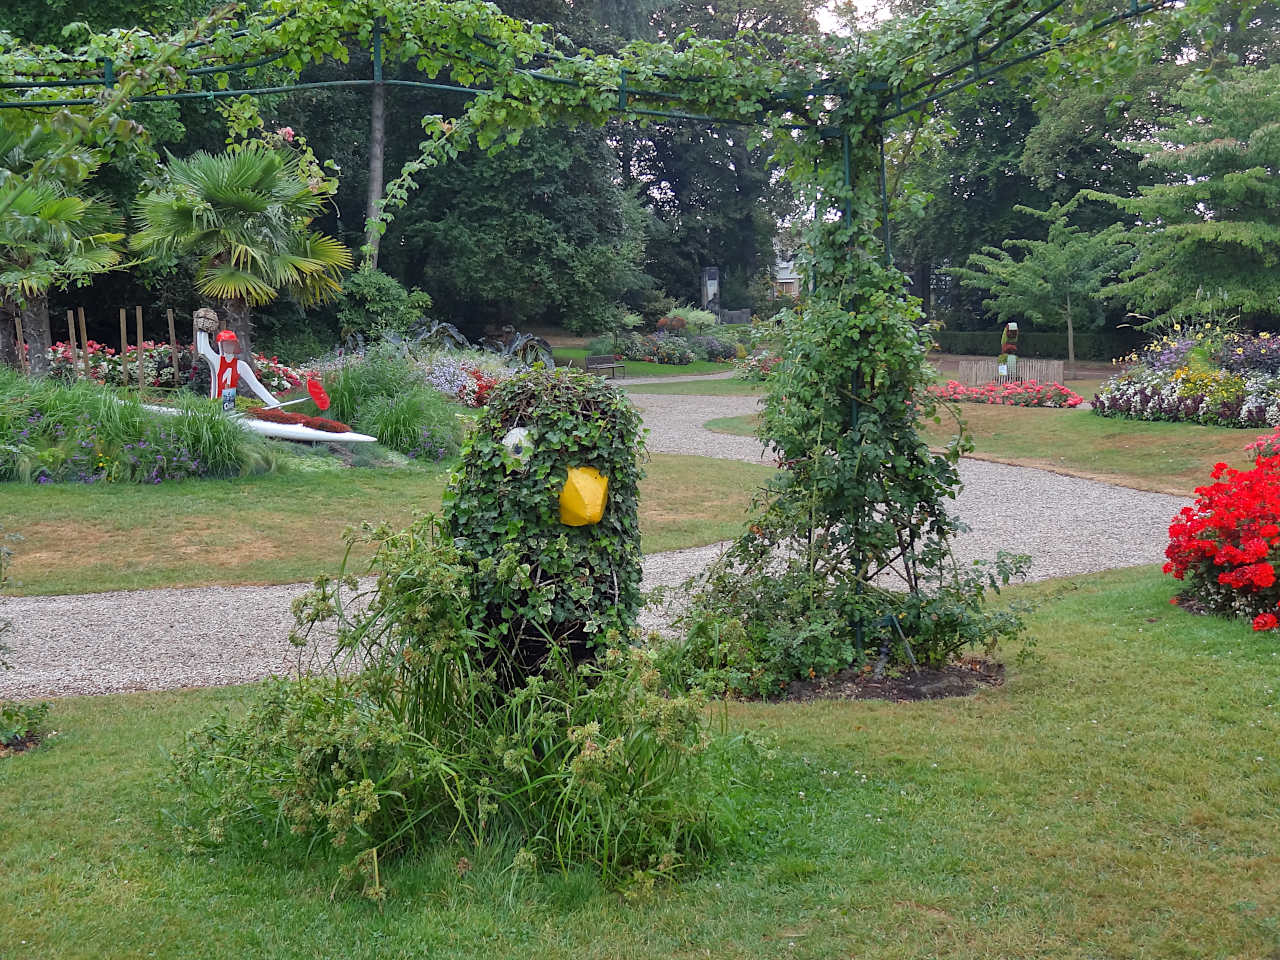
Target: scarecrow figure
225	366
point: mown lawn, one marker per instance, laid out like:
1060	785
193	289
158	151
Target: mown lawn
642	368
288	528
1116	798
700	388
1166	457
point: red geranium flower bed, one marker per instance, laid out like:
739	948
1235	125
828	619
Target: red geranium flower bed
1015	393
1224	548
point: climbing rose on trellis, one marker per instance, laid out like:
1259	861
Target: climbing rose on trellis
1225	547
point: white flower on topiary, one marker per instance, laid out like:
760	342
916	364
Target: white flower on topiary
519	444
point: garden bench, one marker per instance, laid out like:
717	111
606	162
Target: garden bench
606	362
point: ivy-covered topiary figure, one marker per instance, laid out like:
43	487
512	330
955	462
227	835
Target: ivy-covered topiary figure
537	579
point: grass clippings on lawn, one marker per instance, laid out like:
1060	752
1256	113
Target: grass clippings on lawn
1115	798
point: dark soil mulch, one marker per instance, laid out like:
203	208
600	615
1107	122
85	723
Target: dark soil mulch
19	744
961	679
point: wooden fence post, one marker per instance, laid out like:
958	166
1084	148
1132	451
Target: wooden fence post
173	347
22	348
71	338
124	347
137	312
84	342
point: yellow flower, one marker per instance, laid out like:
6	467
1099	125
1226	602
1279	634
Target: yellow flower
1177	327
1240	350
1264	335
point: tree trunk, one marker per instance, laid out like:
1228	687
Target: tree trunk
8	336
235	313
1071	342
35	328
377	148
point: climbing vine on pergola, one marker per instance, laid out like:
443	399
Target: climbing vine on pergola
862	489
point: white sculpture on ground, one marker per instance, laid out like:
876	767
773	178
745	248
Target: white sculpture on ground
225	366
227	371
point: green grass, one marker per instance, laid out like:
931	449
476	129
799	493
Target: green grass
1117	798
288	527
743	426
642	368
1168	457
699	388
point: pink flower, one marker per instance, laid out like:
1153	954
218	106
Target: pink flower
286	134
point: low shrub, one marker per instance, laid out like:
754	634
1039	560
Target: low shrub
467	376
751	633
1224	548
713	348
661	347
87	433
578	764
757	365
688	318
1016	393
1265	446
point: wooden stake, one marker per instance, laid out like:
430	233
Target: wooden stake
141	366
22	347
71	337
84	342
124	347
173	346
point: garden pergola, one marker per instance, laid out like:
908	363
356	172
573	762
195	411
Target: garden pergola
821	108
989	47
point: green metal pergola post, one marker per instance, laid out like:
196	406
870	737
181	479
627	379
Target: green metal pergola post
846	149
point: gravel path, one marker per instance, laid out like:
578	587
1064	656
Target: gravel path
632	381
159	639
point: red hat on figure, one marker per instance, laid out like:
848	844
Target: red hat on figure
225	336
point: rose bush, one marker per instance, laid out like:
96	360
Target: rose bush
1017	393
1225	546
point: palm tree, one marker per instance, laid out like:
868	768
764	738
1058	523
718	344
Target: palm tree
244	218
51	236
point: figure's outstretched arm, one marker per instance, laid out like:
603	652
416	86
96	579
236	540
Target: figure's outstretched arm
254	384
205	350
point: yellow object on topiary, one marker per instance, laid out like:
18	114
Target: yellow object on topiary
582	497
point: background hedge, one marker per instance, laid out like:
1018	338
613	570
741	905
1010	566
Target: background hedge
1050	346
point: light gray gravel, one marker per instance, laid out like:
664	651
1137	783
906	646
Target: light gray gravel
159	639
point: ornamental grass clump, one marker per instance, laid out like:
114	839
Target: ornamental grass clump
382	393
83	432
1224	548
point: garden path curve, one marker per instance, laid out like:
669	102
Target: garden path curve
159	639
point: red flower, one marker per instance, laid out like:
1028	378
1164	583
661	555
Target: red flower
1265	621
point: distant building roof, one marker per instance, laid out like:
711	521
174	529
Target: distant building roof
784	270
